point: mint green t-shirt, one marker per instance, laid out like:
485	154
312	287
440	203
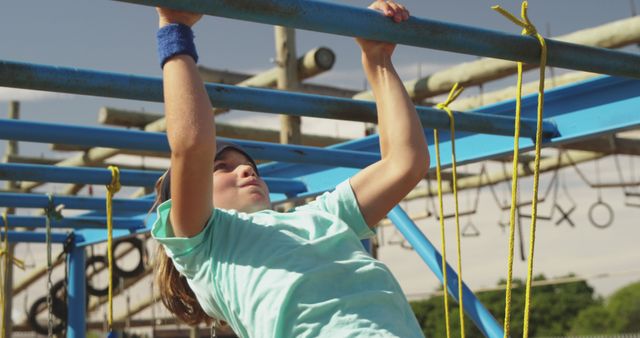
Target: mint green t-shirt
302	273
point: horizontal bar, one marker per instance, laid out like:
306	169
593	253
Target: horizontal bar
338	19
29	131
17	200
33	237
80	222
140	178
104	84
53	174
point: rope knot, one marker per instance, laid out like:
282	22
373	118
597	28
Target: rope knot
115	185
53	212
527	26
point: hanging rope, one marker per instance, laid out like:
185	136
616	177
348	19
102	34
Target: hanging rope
7	258
112	189
527	29
51	214
453	94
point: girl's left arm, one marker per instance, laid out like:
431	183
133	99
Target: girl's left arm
405	156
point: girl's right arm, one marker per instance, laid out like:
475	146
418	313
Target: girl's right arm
191	134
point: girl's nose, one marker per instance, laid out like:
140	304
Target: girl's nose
247	170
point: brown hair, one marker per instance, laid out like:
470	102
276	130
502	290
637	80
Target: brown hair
175	293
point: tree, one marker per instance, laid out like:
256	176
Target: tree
595	319
624	308
553	309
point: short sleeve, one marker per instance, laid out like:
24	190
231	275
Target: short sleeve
189	254
342	203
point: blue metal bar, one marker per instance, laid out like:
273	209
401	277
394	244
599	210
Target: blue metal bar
89	82
599	106
472	306
79	222
32	237
53	174
338	19
76	293
16	200
30	131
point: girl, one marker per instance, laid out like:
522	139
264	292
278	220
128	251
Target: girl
226	256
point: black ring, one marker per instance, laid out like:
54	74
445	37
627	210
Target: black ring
609	210
33	320
58	304
138	244
90	288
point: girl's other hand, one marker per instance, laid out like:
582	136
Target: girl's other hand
167	16
393	10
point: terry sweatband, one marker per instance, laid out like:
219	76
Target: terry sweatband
175	39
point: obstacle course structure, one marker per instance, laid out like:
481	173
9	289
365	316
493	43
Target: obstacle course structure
599	106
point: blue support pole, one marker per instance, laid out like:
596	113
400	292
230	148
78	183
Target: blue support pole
472	306
76	293
322	16
54	174
89	82
77	222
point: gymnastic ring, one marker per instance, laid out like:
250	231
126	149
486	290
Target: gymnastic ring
138	244
90	288
32	319
609	210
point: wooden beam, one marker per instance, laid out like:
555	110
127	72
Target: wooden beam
136	119
473	102
312	63
611	35
548	164
609	144
287	79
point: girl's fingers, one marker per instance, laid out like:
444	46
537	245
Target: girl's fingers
397	13
391	9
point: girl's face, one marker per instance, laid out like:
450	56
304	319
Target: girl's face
236	184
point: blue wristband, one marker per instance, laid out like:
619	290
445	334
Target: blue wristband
175	39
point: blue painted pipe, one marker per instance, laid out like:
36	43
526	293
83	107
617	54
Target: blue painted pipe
33	237
429	254
77	311
54	174
80	222
90	82
30	131
17	200
338	19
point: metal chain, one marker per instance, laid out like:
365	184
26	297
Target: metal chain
50	210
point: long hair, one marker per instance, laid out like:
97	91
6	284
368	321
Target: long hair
175	293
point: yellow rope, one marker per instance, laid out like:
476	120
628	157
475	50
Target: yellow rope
4	252
112	189
6	257
528	29
453	94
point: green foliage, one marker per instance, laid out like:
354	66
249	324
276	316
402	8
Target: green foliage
624	307
554	308
593	320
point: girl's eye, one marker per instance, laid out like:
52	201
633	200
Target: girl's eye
220	166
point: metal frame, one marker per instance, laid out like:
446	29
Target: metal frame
598	106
